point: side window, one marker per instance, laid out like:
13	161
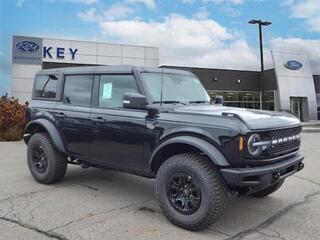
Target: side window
112	88
77	89
45	86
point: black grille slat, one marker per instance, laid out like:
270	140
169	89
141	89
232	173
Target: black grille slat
285	147
285	132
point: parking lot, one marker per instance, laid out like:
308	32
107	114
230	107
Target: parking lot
105	204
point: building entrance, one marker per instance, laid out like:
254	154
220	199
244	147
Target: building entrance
298	107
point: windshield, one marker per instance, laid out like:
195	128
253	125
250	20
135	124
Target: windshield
176	88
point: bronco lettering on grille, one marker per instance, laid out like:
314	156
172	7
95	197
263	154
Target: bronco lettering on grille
285	139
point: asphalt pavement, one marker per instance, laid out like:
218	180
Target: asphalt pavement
105	204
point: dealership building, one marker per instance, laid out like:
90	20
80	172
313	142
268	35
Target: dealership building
290	85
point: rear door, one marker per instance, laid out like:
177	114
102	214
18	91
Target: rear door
73	113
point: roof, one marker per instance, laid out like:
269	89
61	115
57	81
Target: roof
111	69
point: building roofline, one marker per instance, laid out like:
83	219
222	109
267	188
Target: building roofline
74	40
216	69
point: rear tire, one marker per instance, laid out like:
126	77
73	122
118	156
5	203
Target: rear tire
46	164
203	184
267	191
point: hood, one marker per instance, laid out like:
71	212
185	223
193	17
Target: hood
254	119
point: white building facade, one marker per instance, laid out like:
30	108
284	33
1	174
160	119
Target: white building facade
31	54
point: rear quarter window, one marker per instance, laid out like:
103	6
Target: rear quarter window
45	87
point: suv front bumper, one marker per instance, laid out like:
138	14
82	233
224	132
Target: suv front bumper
257	178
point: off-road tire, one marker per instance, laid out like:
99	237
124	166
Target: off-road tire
56	161
267	191
214	192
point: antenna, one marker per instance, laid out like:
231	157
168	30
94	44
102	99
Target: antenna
161	87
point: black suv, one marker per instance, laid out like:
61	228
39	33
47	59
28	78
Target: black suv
159	123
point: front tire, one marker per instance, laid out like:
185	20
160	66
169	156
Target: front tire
267	191
191	191
46	164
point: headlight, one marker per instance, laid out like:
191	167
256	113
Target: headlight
254	150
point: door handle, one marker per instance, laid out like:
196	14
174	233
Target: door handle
99	119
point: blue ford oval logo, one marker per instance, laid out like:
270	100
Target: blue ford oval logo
293	65
27	47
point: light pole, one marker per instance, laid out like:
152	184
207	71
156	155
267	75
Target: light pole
261	23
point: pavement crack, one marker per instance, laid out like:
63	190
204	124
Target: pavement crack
273	218
269	235
218	231
95	214
16	196
306	179
35	229
88	186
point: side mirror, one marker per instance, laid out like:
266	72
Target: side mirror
219	99
134	100
138	101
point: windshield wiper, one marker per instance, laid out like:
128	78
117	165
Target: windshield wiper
199	101
169	102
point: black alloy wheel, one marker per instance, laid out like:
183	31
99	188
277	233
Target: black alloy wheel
191	191
46	164
40	161
184	193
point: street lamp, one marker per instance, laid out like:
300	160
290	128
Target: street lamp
261	23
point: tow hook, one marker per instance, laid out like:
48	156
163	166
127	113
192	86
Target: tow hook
301	166
276	175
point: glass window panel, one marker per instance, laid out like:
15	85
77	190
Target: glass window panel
112	88
77	90
46	87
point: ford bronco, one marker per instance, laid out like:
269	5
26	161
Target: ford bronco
159	123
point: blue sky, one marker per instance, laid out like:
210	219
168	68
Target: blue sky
204	33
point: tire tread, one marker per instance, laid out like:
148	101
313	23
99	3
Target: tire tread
58	159
218	189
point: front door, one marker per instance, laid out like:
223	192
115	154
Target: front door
119	135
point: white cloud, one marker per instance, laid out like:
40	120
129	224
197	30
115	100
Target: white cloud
234	2
196	41
20	3
202	13
87	2
89	16
187	1
228	6
237	1
310	47
151	4
309	10
186	42
117	11
114	12
230	11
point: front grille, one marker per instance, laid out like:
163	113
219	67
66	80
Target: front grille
285	147
285	132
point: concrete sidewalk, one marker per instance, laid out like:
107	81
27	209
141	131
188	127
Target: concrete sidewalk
105	204
312	126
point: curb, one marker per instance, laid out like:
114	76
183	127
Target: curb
310	129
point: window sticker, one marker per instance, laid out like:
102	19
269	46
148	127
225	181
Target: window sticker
107	90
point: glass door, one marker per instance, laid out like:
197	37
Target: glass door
296	107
